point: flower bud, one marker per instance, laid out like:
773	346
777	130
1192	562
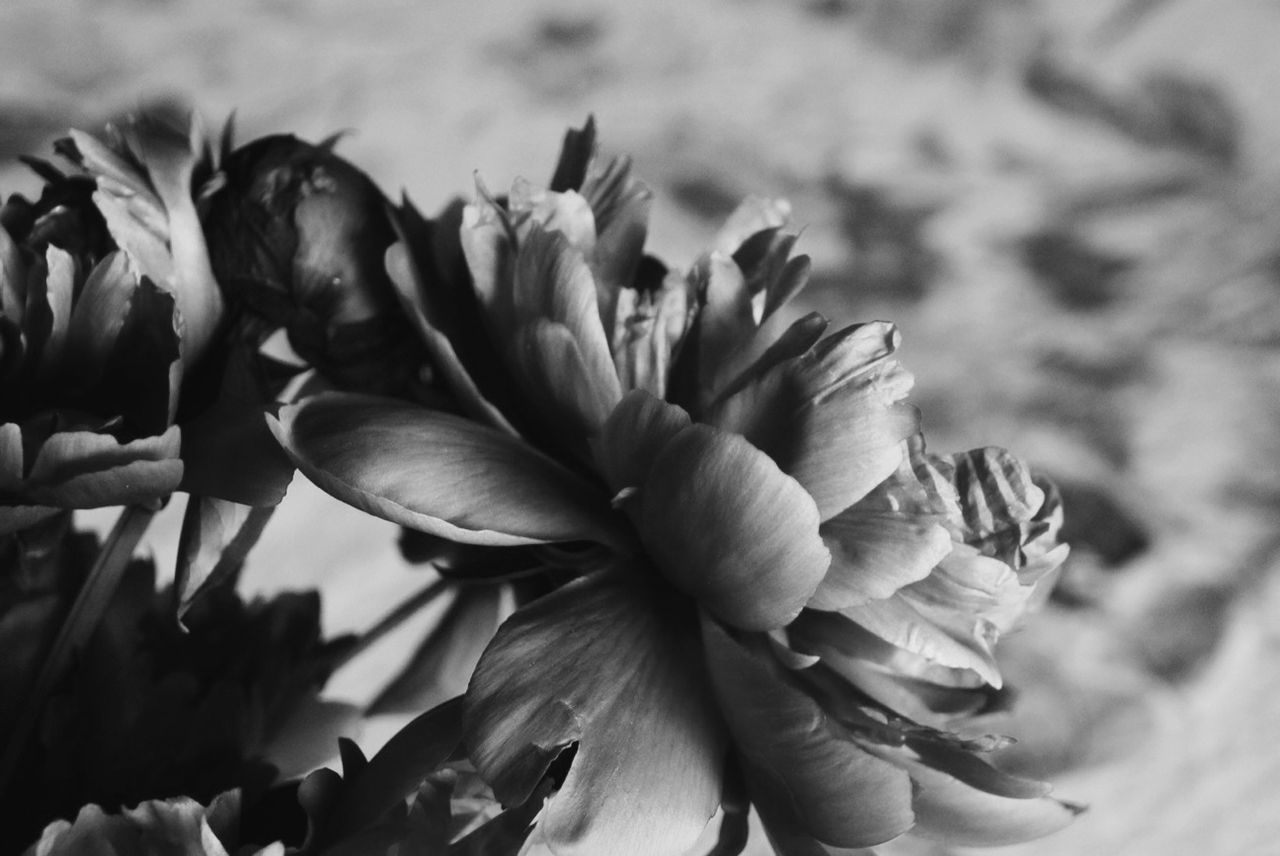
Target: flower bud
297	236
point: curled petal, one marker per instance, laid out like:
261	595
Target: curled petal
875	553
729	528
603	662
801	761
439	473
830	417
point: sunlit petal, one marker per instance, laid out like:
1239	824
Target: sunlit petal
604	662
726	526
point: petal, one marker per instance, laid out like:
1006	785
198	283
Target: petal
952	617
576	152
753	215
439	473
81	469
949	810
896	678
429	272
831	416
806	764
633	435
152	217
230	454
649	328
555	372
216	537
875	553
729	528
553	283
565	212
13	279
603	662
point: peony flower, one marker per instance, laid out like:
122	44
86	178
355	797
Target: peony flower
106	298
297	236
153	828
149	709
713	481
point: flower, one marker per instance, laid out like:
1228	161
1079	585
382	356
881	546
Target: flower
297	236
715	481
149	709
106	299
153	828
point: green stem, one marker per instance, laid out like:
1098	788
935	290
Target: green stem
86	612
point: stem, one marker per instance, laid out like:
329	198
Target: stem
390	622
86	612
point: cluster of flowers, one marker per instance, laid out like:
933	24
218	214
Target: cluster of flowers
741	579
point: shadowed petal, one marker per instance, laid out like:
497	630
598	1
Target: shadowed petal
439	473
729	528
81	469
606	662
875	553
798	758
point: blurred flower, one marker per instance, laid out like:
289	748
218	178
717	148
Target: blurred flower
153	828
297	236
106	299
711	476
150	709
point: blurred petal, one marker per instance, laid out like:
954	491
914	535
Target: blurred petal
800	762
875	553
564	212
81	469
439	473
754	214
13	280
949	810
604	662
729	528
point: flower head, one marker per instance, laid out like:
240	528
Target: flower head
153	828
297	235
734	491
105	298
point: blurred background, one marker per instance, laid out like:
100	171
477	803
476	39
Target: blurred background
1071	208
